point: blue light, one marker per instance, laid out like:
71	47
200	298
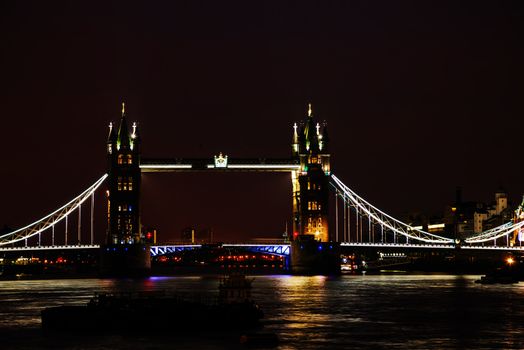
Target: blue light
330	247
301	247
125	249
319	247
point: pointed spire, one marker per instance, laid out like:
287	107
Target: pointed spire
136	133
310	135
295	143
123	140
324	138
112	134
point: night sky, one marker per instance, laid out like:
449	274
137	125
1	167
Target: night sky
420	97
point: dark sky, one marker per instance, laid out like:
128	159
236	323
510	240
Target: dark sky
420	97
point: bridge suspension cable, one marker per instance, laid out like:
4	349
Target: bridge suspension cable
50	220
378	217
493	234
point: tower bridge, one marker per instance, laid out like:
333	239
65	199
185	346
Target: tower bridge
313	243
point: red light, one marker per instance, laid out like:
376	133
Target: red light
295	234
149	235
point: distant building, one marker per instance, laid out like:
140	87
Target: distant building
464	218
432	224
467	218
499	212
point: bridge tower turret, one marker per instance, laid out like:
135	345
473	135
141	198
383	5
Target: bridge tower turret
311	181
125	252
124	184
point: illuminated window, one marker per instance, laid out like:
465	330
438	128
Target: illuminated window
130	184
119	181
125	159
313	205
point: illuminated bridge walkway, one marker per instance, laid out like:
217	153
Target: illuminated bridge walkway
157	250
272	249
358	224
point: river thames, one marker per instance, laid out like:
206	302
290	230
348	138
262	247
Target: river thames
317	312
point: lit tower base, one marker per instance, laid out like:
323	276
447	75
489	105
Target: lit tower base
311	248
125	252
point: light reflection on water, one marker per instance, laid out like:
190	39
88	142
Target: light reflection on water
358	312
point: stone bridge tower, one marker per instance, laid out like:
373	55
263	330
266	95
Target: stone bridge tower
311	181
125	252
123	153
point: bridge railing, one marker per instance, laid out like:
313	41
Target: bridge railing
274	249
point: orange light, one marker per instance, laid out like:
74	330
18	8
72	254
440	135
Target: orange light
510	261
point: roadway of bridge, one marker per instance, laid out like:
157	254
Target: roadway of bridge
278	249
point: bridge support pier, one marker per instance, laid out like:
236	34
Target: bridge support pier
311	257
125	260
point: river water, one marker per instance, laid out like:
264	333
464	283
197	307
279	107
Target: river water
345	312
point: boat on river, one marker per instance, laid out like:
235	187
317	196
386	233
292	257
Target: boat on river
160	311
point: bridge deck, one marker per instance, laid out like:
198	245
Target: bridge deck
279	249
